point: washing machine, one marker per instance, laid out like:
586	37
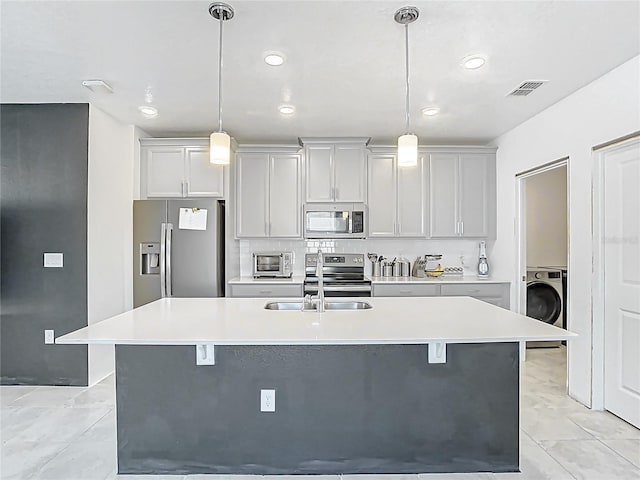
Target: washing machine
545	299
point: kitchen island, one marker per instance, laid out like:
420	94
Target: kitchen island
412	385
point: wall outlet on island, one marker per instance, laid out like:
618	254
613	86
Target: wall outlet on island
267	400
48	337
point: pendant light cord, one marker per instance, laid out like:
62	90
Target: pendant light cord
406	58
220	74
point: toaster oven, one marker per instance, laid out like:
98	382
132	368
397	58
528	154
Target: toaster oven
272	265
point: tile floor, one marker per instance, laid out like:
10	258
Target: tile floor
68	433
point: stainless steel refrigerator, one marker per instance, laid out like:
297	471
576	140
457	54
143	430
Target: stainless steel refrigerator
178	249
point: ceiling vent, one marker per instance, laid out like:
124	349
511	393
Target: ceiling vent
526	87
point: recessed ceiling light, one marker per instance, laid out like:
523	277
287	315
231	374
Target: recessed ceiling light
287	109
473	61
430	111
274	59
148	111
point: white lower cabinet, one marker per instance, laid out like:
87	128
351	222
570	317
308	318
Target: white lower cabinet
268	195
494	293
264	290
406	290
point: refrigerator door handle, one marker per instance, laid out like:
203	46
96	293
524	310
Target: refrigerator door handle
169	241
163	260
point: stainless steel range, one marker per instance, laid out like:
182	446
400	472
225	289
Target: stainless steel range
343	275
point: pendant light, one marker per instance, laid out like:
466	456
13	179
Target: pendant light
407	143
219	141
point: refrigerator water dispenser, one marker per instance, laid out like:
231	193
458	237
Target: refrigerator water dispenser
149	259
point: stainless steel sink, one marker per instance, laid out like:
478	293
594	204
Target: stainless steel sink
312	307
287	306
347	305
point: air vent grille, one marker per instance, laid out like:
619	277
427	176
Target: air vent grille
526	87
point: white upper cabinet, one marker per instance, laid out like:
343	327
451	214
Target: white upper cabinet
336	169
268	195
285	206
202	178
319	160
178	167
462	195
396	197
164	171
252	195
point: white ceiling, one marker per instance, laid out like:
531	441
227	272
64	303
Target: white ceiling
345	63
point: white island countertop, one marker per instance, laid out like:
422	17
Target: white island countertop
244	321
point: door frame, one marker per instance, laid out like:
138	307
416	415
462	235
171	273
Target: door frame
521	230
597	278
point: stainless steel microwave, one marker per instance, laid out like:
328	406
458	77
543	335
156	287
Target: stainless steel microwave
335	220
272	265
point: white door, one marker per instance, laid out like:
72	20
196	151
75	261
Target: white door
252	201
474	196
621	170
382	195
350	173
203	179
285	208
443	195
411	200
165	171
319	173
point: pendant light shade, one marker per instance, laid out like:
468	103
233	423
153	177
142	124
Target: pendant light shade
407	150
407	143
220	141
219	148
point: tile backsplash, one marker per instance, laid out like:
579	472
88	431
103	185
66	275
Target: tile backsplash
455	252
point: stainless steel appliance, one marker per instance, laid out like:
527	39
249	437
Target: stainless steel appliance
544	299
178	249
343	275
272	265
335	220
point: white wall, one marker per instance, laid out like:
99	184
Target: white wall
110	196
546	204
606	109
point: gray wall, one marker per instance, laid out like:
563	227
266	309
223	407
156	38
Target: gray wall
44	153
339	409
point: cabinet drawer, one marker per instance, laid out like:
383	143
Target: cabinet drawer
473	290
419	290
497	301
266	290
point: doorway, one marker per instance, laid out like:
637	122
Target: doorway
542	245
616	281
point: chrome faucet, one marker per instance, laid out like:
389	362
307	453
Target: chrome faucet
319	274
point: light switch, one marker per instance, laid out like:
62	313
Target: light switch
53	260
205	354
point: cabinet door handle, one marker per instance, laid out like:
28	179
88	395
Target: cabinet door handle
406	292
461	228
399	228
186	189
337	193
266	292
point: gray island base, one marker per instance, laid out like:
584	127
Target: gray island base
339	409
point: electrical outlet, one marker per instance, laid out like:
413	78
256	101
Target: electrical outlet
48	337
267	400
